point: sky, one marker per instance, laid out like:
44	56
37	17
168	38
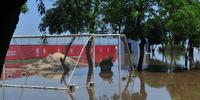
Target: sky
29	22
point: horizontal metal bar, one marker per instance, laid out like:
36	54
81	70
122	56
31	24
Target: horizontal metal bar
33	87
70	35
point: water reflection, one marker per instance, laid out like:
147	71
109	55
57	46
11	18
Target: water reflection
106	69
71	96
155	65
179	58
91	93
144	86
180	86
176	74
168	61
128	94
165	78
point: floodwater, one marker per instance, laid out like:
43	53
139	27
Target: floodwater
163	78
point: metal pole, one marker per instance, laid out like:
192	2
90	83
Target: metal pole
4	98
72	35
33	87
4	73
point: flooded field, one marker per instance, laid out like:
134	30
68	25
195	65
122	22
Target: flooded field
164	77
145	86
107	85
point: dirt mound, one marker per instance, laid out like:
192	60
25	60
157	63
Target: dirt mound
55	58
50	66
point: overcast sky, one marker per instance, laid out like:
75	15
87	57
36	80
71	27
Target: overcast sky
28	22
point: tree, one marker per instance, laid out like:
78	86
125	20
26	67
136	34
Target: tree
8	22
129	17
76	17
183	21
156	32
113	14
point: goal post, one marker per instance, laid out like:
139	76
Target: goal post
88	59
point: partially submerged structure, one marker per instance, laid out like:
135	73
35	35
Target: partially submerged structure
35	57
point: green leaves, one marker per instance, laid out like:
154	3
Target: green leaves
150	19
41	7
135	13
24	8
185	19
75	16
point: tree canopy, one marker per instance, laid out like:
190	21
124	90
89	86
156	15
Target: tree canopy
182	19
75	16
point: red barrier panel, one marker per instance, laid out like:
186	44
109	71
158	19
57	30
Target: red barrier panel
25	52
18	52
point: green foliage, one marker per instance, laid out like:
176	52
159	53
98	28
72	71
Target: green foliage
155	30
75	16
158	20
24	8
114	11
182	19
129	16
41	7
185	20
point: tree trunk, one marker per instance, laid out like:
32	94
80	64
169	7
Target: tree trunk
163	48
191	54
64	66
141	58
8	22
186	60
89	59
67	47
171	56
142	87
153	50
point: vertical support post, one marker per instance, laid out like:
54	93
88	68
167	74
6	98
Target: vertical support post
119	64
4	73
4	98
